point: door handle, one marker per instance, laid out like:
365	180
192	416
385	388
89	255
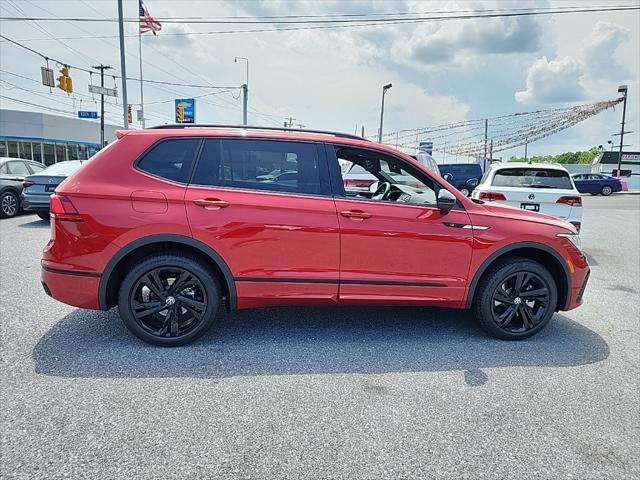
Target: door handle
357	214
211	203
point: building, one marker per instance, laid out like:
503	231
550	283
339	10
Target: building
607	162
49	138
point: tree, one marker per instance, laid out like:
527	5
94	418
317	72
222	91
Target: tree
584	157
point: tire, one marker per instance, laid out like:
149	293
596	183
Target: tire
44	216
606	190
9	204
146	288
465	191
522	318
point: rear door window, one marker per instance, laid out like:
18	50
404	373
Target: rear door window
293	167
532	178
170	159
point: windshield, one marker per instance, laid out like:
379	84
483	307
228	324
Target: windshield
61	169
532	178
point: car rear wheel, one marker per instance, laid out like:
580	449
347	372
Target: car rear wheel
44	216
9	205
169	299
516	299
465	191
606	190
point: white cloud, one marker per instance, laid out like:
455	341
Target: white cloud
553	81
586	74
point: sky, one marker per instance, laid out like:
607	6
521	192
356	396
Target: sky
331	79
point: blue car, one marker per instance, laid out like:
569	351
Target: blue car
596	183
464	176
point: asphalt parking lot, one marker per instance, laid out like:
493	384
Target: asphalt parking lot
326	393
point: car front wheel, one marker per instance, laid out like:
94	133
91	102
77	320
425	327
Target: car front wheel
168	299
516	299
9	205
606	190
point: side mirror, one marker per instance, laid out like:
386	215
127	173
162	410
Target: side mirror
472	182
447	176
446	201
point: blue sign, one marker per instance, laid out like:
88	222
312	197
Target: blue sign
185	110
85	114
426	146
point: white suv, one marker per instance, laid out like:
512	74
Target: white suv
543	187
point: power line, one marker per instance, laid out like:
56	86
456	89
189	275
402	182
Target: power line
491	13
334	25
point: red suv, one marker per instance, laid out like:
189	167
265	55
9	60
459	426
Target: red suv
172	223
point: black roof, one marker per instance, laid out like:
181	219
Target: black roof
628	158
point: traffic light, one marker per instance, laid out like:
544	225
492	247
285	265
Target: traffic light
129	115
180	112
64	80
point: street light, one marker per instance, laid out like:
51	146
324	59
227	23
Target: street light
623	90
245	91
384	90
611	147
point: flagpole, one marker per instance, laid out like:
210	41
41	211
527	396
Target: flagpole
141	86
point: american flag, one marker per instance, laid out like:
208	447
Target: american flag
147	22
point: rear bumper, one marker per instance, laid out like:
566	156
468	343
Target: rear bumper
79	289
35	204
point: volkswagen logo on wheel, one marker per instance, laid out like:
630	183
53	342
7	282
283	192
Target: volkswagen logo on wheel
532	196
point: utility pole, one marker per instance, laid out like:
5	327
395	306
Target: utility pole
526	144
486	129
123	68
384	91
245	91
362	131
245	104
290	122
491	151
102	68
622	89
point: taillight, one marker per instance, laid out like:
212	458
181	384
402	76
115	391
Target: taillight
574	201
62	209
491	196
26	184
348	182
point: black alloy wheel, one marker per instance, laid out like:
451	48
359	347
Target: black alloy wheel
515	299
9	204
520	302
168	300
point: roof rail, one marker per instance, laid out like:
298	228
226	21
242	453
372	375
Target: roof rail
254	127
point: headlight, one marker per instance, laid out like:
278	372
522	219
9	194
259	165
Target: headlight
573	238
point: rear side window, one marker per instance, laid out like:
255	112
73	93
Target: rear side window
18	168
260	165
532	178
170	159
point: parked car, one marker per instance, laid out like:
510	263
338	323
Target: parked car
12	173
39	187
543	187
464	176
170	224
596	183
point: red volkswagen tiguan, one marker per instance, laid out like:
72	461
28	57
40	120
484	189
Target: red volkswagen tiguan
171	223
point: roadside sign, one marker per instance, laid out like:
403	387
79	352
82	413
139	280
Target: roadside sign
426	146
87	114
109	92
47	77
139	115
185	110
